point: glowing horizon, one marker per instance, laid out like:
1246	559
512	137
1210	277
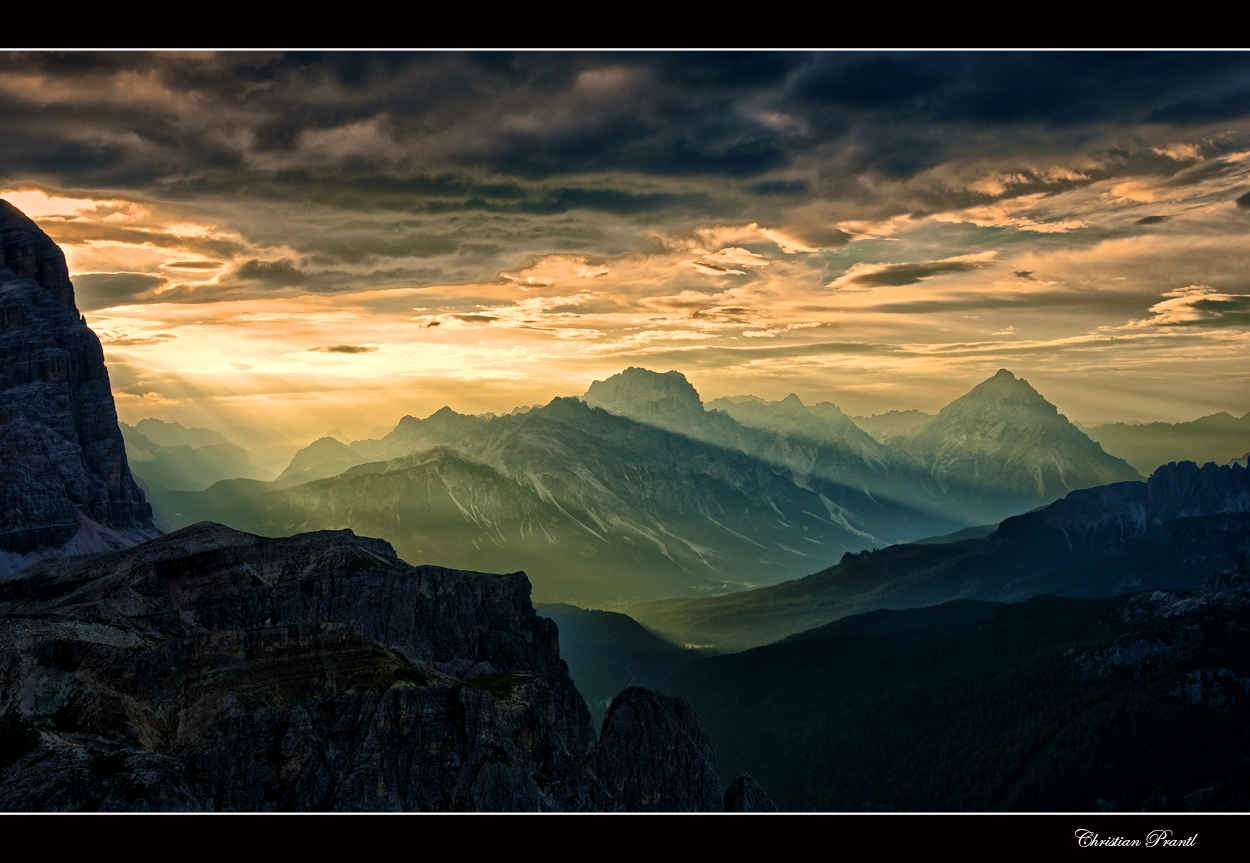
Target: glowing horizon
382	257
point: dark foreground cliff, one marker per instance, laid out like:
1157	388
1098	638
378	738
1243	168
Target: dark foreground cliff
216	670
65	486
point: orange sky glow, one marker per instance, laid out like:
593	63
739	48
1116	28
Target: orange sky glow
1117	290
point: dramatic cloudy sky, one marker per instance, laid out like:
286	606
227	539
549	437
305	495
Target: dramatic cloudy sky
312	241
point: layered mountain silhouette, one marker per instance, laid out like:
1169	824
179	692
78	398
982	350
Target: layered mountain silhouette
65	485
597	508
1168	532
639	490
892	424
187	466
818	441
1217	438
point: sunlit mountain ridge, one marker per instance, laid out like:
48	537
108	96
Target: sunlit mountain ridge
639	491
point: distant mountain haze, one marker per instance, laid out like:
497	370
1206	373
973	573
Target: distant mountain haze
175	434
320	459
640	491
595	508
1218	438
1171	531
786	434
185	466
892	424
1004	448
822	422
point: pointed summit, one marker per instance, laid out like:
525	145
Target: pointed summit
1005	391
323	457
1004	439
29	253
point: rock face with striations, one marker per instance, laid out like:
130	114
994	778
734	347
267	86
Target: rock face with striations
638	726
216	670
1002	447
65	486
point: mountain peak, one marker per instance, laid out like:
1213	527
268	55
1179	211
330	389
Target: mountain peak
645	395
28	253
64	456
1004	385
1003	437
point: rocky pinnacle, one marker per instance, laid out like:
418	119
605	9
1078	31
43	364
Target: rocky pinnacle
63	464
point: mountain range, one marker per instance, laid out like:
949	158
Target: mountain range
596	508
1168	532
169	457
638	490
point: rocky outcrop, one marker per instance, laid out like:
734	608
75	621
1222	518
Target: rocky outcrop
744	794
640	725
665	400
1127	509
63	469
1169	626
216	670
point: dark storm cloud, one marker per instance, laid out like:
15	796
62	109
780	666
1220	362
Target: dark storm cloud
279	273
565	151
1227	310
1244	201
137	118
1151	220
893	275
1102	300
1057	89
344	349
101	290
780	187
476	319
608	200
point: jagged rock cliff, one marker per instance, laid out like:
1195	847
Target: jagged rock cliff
1120	511
216	670
65	486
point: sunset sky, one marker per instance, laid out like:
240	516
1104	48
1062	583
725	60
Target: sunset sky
306	242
